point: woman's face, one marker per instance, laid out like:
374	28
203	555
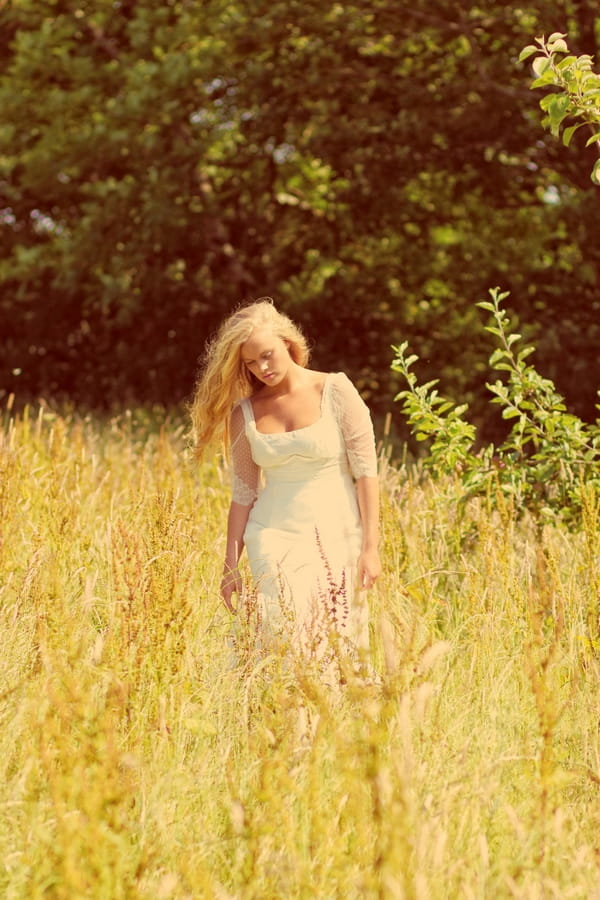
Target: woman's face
266	356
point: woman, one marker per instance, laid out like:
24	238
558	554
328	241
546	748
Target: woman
305	498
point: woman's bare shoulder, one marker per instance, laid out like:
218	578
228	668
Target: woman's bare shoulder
319	378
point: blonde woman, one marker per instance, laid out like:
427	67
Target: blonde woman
305	497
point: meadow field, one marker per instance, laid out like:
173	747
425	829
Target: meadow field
149	751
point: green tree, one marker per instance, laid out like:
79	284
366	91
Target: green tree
372	165
108	219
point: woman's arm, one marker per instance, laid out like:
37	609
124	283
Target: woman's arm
369	565
231	583
244	489
357	429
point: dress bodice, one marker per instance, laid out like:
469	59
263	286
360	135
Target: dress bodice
301	453
342	438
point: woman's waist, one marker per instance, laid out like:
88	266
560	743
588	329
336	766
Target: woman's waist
282	504
303	473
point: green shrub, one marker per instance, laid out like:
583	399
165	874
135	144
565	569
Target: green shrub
549	460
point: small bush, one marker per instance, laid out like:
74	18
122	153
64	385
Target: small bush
549	461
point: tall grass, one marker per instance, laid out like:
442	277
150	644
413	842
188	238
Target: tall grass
142	758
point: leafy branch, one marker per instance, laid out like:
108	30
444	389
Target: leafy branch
549	457
577	100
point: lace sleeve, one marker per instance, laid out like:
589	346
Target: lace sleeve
244	471
355	423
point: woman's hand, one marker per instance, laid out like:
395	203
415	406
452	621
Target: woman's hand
231	583
369	568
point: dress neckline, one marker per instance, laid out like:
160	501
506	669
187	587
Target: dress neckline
271	434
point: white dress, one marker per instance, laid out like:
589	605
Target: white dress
303	536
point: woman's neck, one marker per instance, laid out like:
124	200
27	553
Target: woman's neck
294	379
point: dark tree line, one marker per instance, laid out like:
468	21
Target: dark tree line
374	166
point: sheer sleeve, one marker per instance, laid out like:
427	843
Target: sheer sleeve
244	472
354	420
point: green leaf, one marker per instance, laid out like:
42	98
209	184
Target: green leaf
540	65
569	132
558	46
524	353
558	108
526	52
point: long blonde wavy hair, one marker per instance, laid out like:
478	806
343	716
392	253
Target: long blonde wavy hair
224	379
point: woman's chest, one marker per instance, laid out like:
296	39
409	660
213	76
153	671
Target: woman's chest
289	413
319	442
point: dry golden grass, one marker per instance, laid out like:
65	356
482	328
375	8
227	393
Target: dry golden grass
141	759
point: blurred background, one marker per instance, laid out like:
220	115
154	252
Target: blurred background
375	167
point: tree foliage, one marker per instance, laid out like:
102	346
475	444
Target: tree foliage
374	166
549	462
578	97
